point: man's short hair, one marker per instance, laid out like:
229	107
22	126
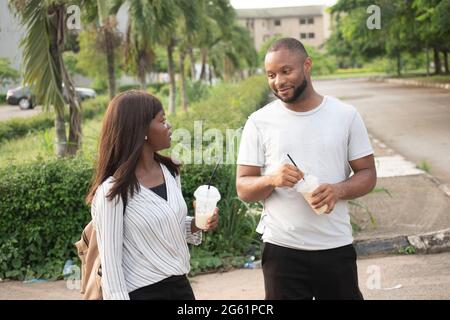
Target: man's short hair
289	44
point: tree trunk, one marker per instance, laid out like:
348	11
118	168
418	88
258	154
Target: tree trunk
61	138
437	61
75	113
109	46
184	99
142	74
446	61
203	54
172	92
210	75
399	64
56	33
192	62
428	61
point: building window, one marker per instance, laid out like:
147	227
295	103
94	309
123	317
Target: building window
311	35
302	21
250	24
311	21
277	22
302	35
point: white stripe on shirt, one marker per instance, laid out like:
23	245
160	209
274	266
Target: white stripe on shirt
147	243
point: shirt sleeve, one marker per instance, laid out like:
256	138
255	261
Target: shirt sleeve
192	238
251	149
108	217
358	139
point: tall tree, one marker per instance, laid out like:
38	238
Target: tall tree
149	22
44	69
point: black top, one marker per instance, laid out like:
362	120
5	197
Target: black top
160	190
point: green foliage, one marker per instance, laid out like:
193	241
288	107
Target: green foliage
425	166
407	29
407	250
42	210
18	127
2	98
323	63
91	60
7	73
41	215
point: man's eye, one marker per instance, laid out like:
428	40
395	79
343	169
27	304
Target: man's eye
287	71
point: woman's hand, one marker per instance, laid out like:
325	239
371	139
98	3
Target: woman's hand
211	223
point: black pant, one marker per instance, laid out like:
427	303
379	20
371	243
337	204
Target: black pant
172	288
299	274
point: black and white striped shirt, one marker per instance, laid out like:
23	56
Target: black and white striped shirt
147	243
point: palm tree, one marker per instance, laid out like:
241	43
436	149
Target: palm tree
149	22
220	17
44	68
107	10
191	15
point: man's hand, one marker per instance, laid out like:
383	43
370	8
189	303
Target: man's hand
286	176
326	194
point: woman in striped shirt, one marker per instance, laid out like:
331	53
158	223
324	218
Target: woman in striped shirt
137	205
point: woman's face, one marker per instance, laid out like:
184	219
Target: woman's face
159	132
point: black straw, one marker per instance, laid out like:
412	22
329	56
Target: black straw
213	174
294	164
291	160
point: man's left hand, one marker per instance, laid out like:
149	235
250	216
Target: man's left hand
326	194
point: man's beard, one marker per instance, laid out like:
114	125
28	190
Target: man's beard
297	93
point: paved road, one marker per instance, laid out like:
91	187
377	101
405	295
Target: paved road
8	112
412	120
395	277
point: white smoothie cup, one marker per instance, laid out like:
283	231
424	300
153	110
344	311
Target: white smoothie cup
206	198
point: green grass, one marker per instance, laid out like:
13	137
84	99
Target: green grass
38	146
407	250
425	166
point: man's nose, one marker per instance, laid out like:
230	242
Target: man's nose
279	81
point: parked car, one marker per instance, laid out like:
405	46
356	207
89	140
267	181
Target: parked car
25	99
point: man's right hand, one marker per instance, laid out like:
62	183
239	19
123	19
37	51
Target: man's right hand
286	176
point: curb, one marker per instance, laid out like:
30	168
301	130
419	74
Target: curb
431	242
416	83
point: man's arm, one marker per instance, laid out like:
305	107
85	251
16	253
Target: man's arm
362	182
252	187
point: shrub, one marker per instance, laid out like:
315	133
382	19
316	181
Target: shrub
2	98
42	210
41	215
18	127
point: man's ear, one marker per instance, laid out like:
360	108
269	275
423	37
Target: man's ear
307	65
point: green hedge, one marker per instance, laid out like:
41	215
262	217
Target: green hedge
2	98
41	214
18	127
42	210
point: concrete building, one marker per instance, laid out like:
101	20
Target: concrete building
309	24
10	34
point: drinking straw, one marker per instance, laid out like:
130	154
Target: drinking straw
213	174
293	162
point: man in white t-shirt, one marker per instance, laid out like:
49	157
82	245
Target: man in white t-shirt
306	255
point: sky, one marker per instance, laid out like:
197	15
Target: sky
242	4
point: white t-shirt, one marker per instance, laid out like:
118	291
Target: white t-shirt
321	142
